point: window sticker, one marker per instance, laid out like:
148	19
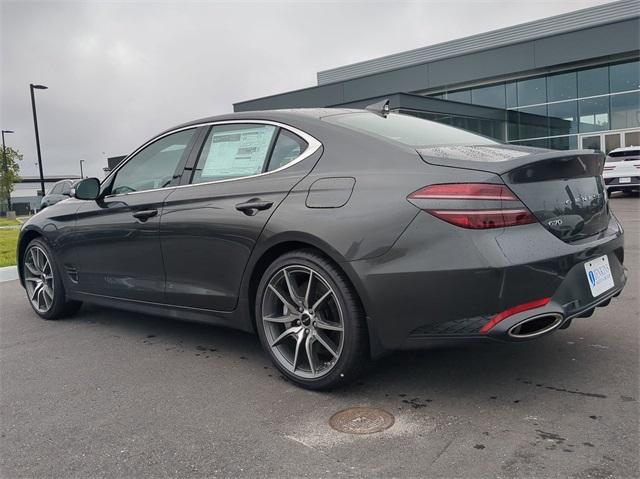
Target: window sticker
238	153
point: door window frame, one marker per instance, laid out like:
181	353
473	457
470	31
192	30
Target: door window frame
185	167
265	163
105	185
313	145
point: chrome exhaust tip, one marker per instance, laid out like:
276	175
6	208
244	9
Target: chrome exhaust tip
536	326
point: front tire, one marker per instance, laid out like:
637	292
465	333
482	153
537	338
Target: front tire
43	282
310	321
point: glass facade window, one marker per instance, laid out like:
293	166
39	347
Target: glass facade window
562	87
625	110
512	95
563	118
591	142
594	81
541	143
463	96
624	77
533	122
632	138
489	96
559	106
564	143
532	92
594	114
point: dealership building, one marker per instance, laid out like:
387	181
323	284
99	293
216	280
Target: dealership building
563	82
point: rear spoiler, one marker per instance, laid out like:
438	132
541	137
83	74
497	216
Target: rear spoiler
500	159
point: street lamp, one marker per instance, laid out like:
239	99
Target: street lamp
81	174
35	126
5	165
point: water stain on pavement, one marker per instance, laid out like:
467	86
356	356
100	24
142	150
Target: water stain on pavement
564	390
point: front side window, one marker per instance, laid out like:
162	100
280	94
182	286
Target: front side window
66	188
57	189
408	130
234	151
154	166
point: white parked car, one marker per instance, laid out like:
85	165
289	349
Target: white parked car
622	170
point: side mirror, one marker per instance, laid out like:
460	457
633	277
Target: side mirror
87	189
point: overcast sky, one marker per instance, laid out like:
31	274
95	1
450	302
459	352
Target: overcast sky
120	72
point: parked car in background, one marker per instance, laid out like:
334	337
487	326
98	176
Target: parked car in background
622	170
60	191
336	235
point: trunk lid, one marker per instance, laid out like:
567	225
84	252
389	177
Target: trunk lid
563	189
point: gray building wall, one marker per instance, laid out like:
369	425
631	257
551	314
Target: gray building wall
524	32
596	43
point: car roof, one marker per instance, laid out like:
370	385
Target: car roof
283	115
625	148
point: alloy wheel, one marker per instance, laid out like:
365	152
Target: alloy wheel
303	321
38	277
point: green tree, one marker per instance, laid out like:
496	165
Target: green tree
9	174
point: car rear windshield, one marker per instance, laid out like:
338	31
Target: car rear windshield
409	130
625	155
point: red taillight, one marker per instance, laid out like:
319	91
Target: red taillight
464	191
473	206
484	219
538	303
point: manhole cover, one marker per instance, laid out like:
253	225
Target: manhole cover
361	420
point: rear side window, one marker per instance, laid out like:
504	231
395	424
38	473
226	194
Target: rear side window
626	155
409	130
288	147
234	151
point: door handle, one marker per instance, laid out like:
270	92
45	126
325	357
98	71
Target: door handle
145	214
251	207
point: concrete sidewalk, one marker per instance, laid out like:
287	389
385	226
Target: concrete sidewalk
8	273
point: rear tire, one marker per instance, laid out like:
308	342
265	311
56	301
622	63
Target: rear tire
43	282
310	321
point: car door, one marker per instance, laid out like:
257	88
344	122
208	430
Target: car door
116	242
210	226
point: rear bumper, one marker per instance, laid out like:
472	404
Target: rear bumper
613	183
443	282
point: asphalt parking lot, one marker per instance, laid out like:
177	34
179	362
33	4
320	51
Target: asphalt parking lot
114	394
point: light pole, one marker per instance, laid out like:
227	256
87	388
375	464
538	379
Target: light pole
81	174
5	166
35	126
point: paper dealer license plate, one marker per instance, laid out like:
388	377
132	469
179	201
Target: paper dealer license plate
599	275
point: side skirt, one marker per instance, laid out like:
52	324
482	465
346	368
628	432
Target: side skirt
232	319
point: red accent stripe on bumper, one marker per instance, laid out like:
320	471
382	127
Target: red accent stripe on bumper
514	310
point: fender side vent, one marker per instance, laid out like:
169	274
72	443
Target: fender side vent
72	273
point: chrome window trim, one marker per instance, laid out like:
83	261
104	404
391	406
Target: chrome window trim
313	146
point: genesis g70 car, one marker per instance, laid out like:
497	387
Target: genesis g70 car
336	235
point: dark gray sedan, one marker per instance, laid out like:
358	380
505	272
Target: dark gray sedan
336	235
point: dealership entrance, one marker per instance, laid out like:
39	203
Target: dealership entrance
610	140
